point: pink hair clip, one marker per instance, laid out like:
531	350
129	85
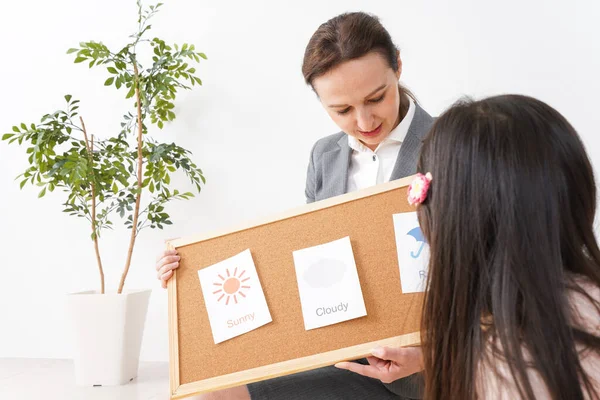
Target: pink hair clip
417	191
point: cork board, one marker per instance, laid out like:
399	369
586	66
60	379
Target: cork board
284	346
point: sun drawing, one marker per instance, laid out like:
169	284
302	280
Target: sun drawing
231	286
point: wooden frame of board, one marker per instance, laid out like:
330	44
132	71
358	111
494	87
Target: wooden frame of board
197	365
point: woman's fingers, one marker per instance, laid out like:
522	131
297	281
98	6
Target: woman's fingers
167	260
165	277
166	268
364	370
165	254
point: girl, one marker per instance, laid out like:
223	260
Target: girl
512	309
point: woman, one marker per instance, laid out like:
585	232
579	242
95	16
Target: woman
354	68
512	309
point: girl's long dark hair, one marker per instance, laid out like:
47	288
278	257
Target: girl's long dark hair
509	218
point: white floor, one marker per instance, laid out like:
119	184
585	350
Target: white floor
28	379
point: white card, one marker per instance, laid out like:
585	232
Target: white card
413	252
234	297
328	283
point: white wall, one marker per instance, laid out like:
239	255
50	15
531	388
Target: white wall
252	124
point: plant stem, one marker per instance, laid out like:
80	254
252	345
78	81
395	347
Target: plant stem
90	148
139	176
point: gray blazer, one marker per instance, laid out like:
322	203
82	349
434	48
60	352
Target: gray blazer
327	174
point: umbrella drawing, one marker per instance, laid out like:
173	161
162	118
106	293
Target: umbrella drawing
418	235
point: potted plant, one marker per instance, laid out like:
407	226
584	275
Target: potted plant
106	177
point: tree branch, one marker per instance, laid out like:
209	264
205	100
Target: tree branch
90	148
139	178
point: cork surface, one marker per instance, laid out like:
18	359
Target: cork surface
369	224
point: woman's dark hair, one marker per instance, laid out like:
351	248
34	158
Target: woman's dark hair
509	218
347	37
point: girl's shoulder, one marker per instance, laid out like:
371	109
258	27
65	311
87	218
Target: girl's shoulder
584	297
494	377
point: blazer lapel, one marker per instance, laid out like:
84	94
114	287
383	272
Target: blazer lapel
335	169
406	162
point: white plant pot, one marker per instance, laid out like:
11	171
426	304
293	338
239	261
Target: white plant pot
107	333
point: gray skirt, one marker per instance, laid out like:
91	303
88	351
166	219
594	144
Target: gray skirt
331	383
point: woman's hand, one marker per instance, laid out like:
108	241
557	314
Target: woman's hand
388	364
166	262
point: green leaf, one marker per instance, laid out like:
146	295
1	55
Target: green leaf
112	70
7	136
23	126
42	193
203	56
72	51
68	98
131	92
160	124
23	183
16	129
79	60
109	81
